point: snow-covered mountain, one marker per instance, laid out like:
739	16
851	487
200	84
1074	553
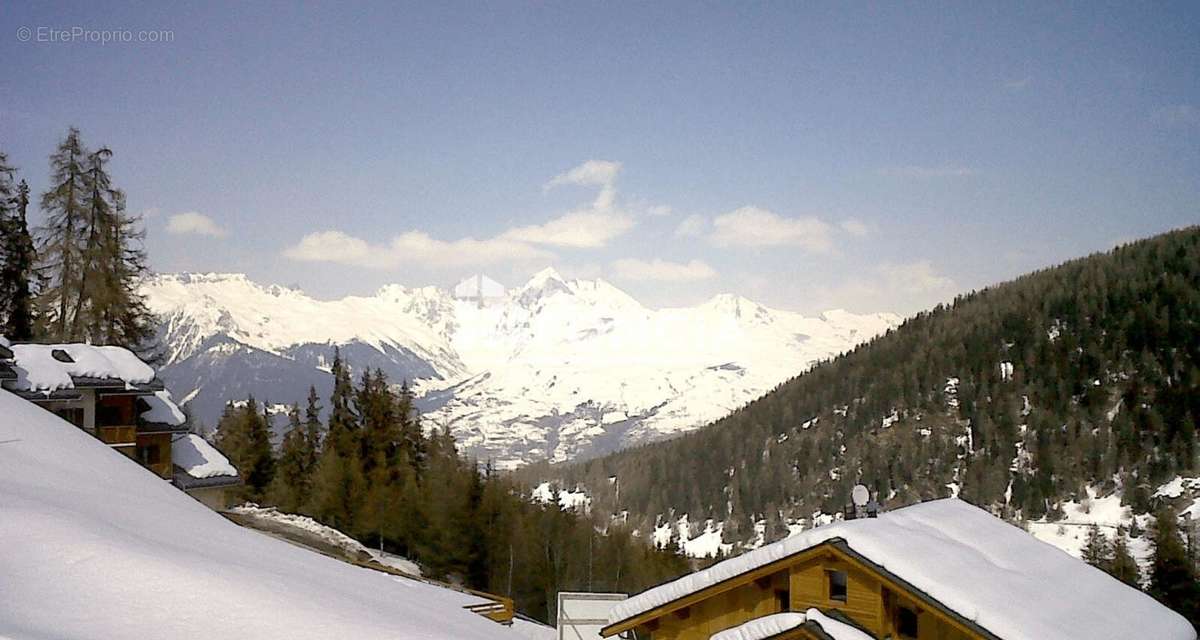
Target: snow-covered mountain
555	368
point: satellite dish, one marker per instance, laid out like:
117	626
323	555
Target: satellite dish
860	495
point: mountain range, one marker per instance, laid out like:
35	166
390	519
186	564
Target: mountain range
555	369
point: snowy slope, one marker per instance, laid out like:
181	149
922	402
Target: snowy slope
556	368
97	547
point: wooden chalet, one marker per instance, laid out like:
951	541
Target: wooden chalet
940	570
110	393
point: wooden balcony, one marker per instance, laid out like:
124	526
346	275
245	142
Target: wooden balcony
117	435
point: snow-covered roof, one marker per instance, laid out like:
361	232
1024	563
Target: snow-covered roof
978	566
163	409
762	628
38	369
778	623
199	459
87	529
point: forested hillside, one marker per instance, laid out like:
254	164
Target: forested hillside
1017	396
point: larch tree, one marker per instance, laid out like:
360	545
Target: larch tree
62	238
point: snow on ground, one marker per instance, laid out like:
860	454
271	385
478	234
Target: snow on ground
38	370
399	563
328	534
975	564
577	500
705	544
533	630
198	458
97	547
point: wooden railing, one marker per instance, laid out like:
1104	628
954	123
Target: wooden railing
500	609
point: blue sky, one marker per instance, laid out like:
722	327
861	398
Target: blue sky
808	156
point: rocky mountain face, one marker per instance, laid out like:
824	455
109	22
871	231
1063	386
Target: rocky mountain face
554	369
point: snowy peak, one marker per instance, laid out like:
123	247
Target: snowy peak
554	369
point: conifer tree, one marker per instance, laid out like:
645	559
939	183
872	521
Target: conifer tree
243	434
91	254
1172	576
1124	567
16	257
343	424
17	272
62	239
1096	549
289	487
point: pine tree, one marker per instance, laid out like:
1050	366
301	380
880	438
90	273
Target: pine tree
243	434
16	257
1172	576
343	424
1124	567
91	253
17	273
290	486
1096	549
62	239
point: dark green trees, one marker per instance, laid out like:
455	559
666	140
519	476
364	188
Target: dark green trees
17	257
89	253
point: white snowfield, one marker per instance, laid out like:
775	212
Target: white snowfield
978	566
94	546
553	369
163	409
38	370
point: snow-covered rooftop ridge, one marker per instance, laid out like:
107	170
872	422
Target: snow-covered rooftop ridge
775	624
200	459
87	529
38	369
978	566
762	628
163	409
835	629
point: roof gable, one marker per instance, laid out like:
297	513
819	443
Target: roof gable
977	566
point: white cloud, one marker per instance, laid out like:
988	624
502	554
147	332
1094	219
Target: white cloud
658	210
584	229
589	227
593	173
691	226
926	173
901	287
663	270
918	277
413	247
754	227
856	227
194	223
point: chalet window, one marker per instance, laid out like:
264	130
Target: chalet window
149	454
109	416
74	415
907	622
837	585
783	600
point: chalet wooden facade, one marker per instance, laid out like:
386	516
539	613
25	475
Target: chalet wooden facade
829	577
109	393
942	570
